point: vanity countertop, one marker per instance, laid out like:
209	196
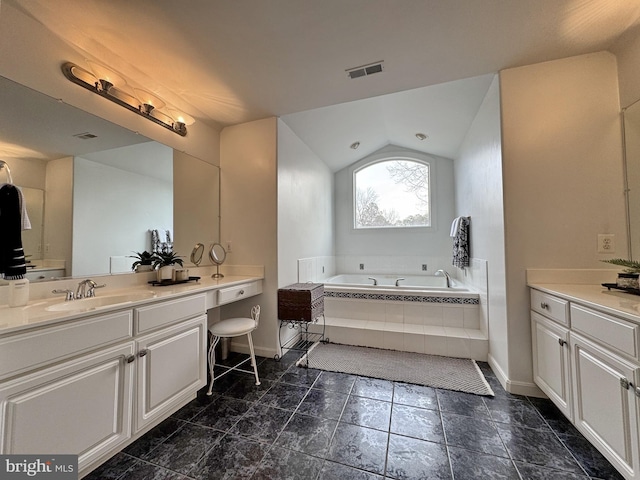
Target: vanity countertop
614	302
35	313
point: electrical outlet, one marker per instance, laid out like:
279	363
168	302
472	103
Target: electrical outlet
424	267
362	266
229	246
606	243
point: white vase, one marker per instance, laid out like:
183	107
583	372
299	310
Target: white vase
165	273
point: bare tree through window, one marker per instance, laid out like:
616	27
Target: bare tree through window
392	193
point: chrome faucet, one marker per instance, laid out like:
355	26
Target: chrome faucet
86	289
68	294
398	281
375	280
441	273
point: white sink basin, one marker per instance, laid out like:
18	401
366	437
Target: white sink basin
97	302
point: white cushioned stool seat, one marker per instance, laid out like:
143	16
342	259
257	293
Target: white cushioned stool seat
233	327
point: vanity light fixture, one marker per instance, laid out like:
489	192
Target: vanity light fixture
421	136
354	145
112	86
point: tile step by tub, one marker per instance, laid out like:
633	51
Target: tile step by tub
407	337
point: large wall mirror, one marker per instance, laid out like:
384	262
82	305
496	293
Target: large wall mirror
631	116
95	191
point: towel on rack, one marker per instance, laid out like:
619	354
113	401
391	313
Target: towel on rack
26	223
12	262
461	249
454	227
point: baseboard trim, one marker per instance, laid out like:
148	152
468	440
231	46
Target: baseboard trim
260	351
513	386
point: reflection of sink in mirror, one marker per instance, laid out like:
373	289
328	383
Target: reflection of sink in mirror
97	302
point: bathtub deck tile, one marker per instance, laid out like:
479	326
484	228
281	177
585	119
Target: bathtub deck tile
374	325
435	345
393	340
414	313
413	343
475	334
454	332
394	327
457	347
412	329
472	318
434	330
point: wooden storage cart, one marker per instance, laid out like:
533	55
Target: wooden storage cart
301	305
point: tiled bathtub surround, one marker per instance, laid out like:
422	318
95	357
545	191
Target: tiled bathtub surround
312	425
452	325
437	328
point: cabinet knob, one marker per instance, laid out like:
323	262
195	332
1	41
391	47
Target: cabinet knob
143	352
624	383
130	358
544	306
562	342
241	292
637	390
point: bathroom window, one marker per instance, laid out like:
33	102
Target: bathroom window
392	193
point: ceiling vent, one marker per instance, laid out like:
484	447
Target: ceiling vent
85	136
365	70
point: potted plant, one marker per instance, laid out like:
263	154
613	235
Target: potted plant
143	263
629	277
163	262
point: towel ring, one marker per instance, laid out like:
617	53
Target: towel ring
5	165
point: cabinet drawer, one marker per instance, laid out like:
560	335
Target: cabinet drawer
171	311
552	307
19	353
614	332
238	292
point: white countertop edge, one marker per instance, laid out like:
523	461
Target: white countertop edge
614	302
35	315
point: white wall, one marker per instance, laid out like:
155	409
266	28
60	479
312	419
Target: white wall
562	168
113	211
58	211
627	52
423	244
248	168
196	202
478	175
305	205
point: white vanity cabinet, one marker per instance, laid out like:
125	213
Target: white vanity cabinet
82	406
551	370
92	385
587	362
606	405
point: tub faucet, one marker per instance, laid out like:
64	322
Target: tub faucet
398	281
375	280
441	273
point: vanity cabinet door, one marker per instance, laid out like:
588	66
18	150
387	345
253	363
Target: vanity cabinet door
81	407
551	370
605	403
171	368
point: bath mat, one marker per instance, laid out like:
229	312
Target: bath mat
460	374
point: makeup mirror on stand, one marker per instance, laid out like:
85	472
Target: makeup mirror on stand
217	254
196	254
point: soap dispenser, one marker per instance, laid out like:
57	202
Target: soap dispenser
18	292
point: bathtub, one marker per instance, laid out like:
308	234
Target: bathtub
414	288
405	282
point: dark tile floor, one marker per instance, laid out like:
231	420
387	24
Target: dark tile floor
308	424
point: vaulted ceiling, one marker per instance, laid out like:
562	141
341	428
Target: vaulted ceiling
228	62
